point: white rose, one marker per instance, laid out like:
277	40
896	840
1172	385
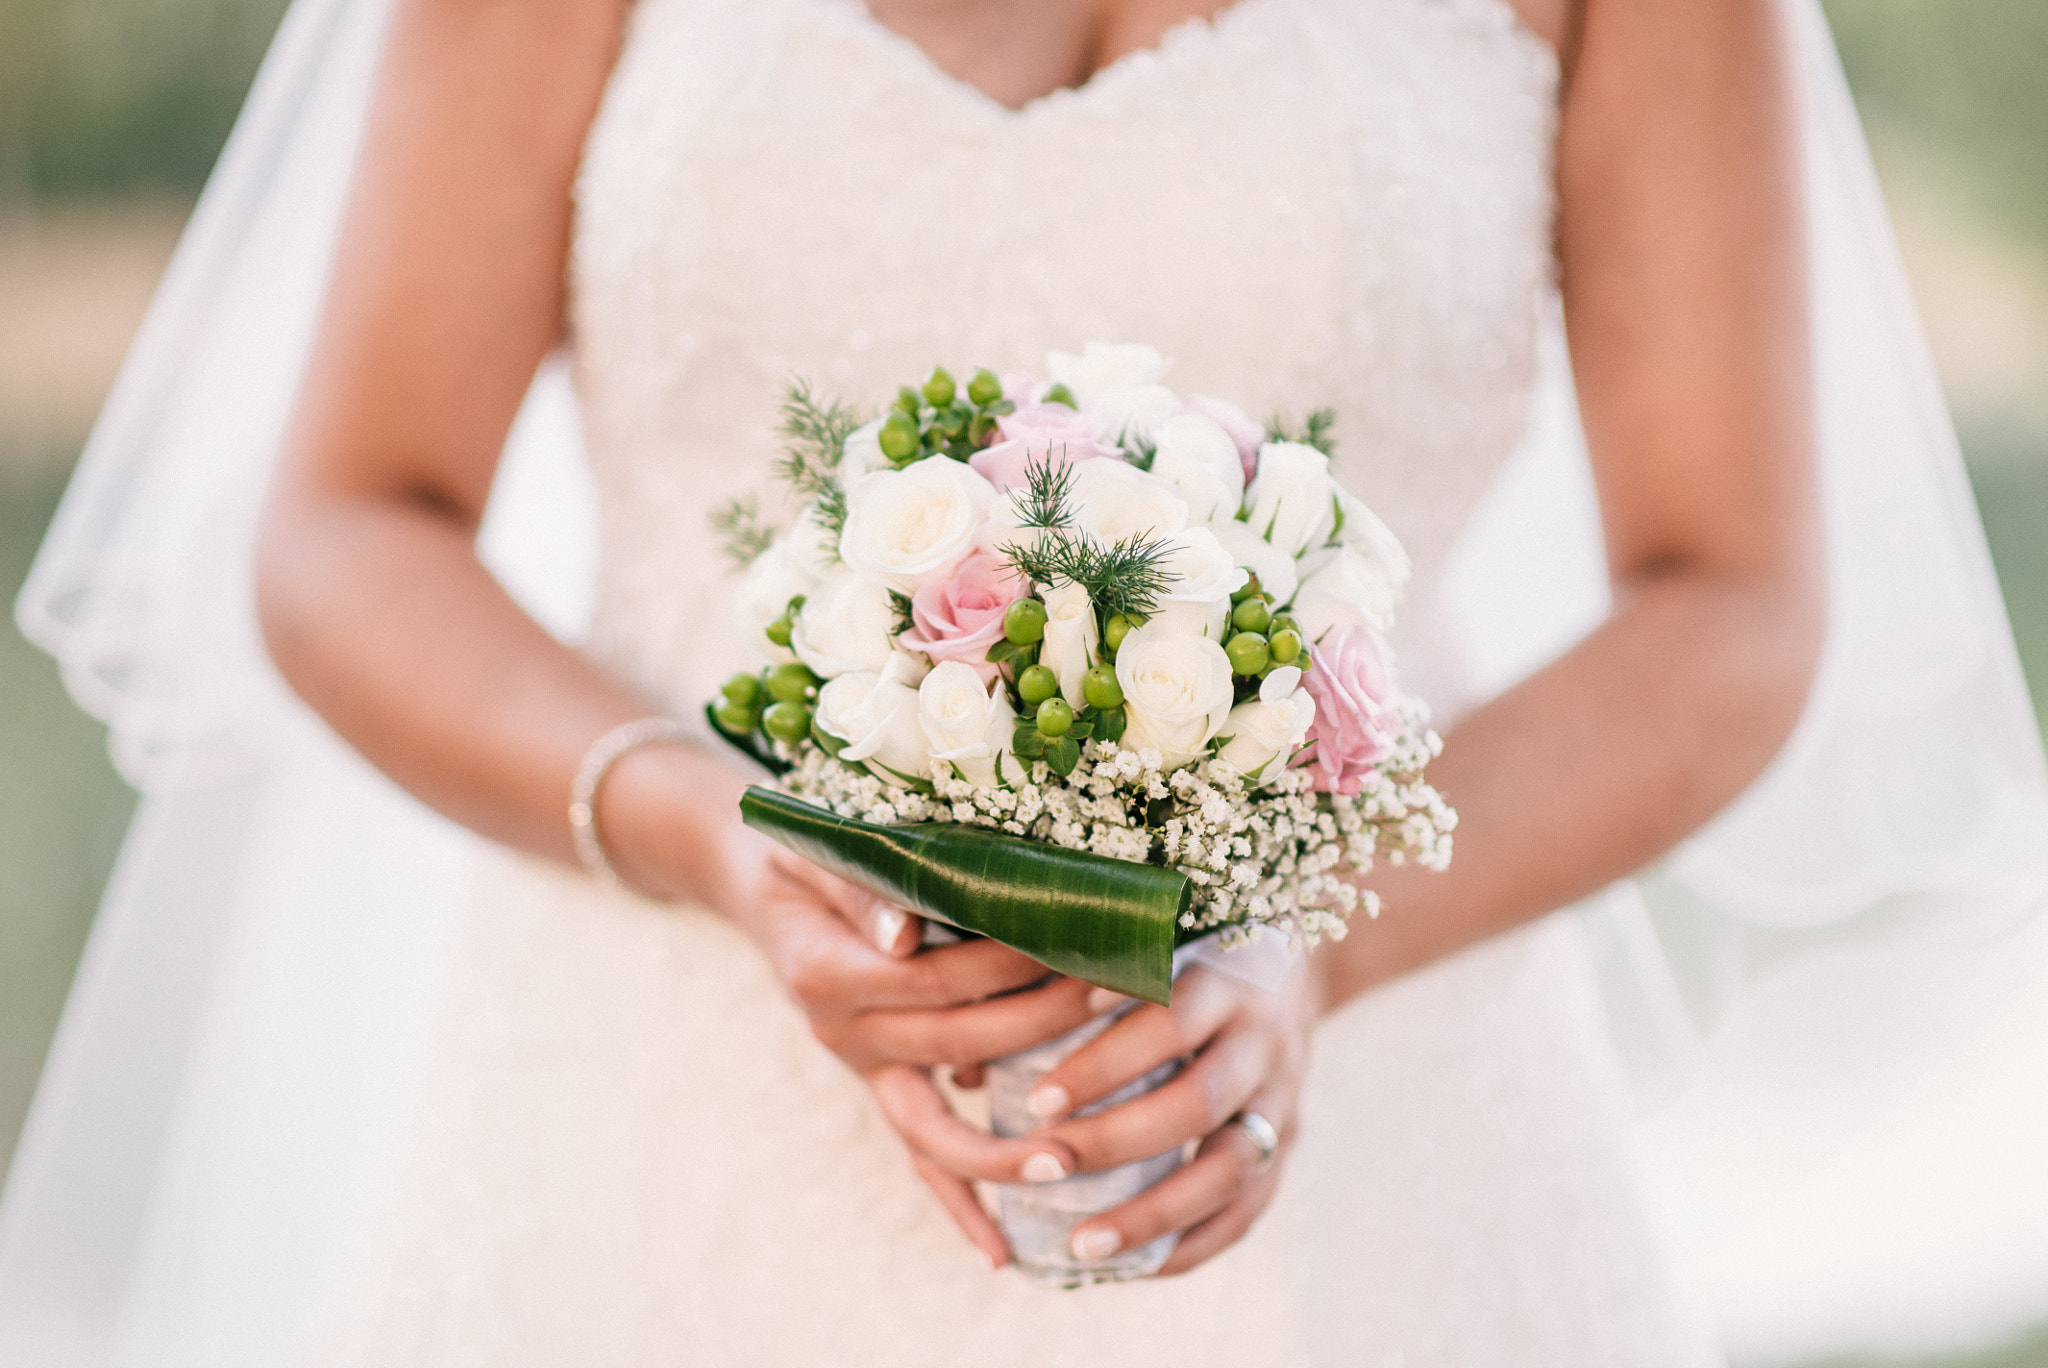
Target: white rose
844	626
1274	567
965	725
877	718
1136	413
810	545
1177	690
1114	500
1204	576
763	595
1290	502
904	525
862	454
1071	633
1262	734
1339	586
1196	456
1103	367
1360	529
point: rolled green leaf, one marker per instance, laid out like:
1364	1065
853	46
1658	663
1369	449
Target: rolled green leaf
1110	922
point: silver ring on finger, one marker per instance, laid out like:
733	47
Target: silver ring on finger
1257	1129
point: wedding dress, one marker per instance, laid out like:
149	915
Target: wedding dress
564	1125
627	1147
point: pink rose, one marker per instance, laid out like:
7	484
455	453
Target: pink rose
958	616
1355	719
1043	434
1244	433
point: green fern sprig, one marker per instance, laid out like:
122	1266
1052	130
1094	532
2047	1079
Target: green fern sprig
1318	430
814	438
738	524
1125	579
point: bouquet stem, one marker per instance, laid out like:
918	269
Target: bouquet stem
1038	1219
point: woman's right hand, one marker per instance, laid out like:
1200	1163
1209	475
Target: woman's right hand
896	1010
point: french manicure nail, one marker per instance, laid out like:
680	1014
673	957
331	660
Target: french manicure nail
1048	1101
1043	1168
991	1260
888	924
1099	1243
1101	1000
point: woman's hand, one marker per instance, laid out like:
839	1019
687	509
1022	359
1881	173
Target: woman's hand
894	1013
1249	1051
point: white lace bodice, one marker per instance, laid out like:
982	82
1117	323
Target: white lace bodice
1305	202
631	1149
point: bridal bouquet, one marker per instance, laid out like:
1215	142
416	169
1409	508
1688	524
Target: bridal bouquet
1090	667
1081	663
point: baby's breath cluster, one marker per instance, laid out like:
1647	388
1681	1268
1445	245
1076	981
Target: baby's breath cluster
1276	855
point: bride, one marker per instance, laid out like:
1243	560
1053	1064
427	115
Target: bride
710	1115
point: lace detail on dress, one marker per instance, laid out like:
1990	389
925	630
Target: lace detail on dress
1306	202
630	1150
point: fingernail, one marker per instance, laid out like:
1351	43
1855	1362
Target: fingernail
991	1260
1049	1101
1101	1000
1043	1168
1099	1243
888	925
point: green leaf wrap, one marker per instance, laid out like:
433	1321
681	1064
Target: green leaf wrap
1110	922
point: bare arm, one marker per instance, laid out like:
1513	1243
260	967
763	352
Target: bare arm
1684	286
1685	297
447	293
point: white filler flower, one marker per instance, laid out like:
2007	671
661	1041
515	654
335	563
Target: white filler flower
1262	734
904	525
1114	500
1103	367
844	626
966	726
776	576
1070	636
1273	566
1196	456
862	454
1177	690
1290	502
1340	586
877	718
1203	577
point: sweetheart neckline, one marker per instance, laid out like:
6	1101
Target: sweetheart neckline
1194	30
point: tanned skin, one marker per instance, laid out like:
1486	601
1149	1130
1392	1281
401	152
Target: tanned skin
1681	251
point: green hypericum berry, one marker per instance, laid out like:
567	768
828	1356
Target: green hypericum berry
1253	615
787	721
939	388
736	719
1100	688
1251	587
790	683
1285	622
1055	718
780	629
741	690
899	436
1248	653
1114	631
1285	645
1060	394
1024	623
1036	685
984	389
908	400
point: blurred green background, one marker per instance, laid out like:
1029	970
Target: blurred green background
111	112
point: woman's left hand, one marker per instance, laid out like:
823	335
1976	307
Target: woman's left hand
1249	1051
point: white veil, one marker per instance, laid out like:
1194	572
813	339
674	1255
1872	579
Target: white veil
240	1023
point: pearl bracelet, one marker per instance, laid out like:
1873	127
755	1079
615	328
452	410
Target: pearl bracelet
605	752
